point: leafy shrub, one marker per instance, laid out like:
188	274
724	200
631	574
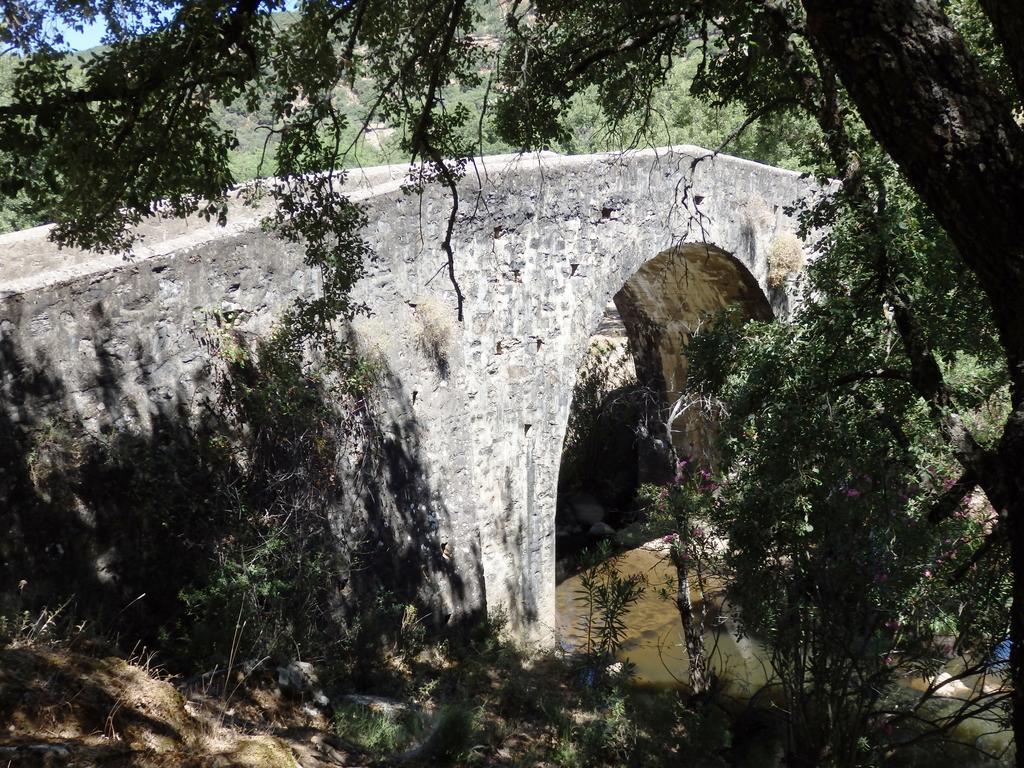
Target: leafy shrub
613	734
57	450
606	597
378	732
704	735
683	512
270	587
451	738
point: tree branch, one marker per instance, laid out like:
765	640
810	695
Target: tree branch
926	377
950	499
669	24
885	374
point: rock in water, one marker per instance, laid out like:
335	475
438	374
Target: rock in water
586	509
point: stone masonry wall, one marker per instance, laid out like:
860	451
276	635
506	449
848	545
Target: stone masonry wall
542	244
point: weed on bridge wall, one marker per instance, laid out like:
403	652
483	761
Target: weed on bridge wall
785	258
434	328
269	520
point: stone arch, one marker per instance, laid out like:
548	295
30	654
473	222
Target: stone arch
570	254
542	243
657	311
664	304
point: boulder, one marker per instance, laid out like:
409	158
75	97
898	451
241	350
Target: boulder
947	686
601	530
378	704
299	679
632	536
586	509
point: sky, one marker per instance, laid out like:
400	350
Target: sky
89	37
92	35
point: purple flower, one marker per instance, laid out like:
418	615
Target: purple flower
852	493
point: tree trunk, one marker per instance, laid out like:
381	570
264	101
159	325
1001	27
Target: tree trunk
923	97
693	634
1011	454
926	101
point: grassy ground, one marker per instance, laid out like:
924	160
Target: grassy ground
485	702
481	701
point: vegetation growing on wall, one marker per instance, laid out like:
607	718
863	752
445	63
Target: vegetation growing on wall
785	258
255	502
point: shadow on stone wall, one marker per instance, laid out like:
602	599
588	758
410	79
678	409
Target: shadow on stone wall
276	508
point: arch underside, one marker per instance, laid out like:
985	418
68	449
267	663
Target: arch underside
665	303
621	438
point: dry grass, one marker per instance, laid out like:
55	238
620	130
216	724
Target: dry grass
63	705
785	258
435	323
374	339
486	703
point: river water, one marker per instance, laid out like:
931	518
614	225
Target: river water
654	645
654	640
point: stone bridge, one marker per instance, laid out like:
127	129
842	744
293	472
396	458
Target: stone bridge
542	244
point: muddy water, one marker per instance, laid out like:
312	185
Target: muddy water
654	643
654	646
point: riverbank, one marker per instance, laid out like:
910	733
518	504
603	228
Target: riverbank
479	701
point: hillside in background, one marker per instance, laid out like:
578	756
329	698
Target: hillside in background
677	117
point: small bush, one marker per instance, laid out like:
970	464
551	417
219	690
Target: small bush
451	740
606	597
275	552
379	733
57	454
614	734
566	754
785	258
705	735
374	340
26	629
